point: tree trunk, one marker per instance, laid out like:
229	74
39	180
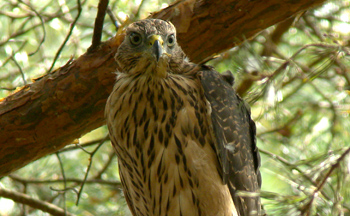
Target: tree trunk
48	114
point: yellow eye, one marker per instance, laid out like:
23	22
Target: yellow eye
135	38
171	40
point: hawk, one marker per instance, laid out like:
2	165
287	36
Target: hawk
184	139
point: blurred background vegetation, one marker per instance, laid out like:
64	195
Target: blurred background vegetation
295	75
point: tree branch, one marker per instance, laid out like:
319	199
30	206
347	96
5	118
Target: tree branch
205	28
48	114
96	38
38	204
113	183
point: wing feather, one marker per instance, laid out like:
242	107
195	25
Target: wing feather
235	132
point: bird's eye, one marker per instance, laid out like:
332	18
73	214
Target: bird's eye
135	38
171	40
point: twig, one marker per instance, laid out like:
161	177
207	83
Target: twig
75	147
322	183
4	62
286	125
292	166
65	190
314	28
42	25
101	12
34	203
137	15
67	37
113	18
47	19
19	68
75	180
105	167
333	111
333	167
8	89
64	178
89	166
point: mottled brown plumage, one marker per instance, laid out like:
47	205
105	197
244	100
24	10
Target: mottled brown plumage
185	141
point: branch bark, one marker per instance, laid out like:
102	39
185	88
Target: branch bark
48	114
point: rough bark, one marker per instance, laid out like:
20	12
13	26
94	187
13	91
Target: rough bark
48	114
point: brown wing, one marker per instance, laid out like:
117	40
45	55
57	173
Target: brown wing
236	144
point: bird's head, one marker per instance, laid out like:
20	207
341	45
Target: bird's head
150	46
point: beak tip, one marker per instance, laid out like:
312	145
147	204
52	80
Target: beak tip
157	49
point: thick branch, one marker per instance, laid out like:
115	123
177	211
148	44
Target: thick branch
45	116
205	28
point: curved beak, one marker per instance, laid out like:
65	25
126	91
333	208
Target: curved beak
156	42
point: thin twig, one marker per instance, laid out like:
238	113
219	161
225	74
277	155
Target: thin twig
42	25
8	89
308	205
292	167
4	62
113	18
105	167
20	69
137	15
67	37
333	167
89	167
83	145
64	180
73	180
34	203
286	125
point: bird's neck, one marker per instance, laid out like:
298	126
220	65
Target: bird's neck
152	69
162	68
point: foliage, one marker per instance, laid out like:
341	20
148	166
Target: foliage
300	102
295	75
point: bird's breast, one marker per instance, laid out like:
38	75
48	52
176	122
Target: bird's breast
161	133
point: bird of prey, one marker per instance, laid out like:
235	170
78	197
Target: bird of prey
184	139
